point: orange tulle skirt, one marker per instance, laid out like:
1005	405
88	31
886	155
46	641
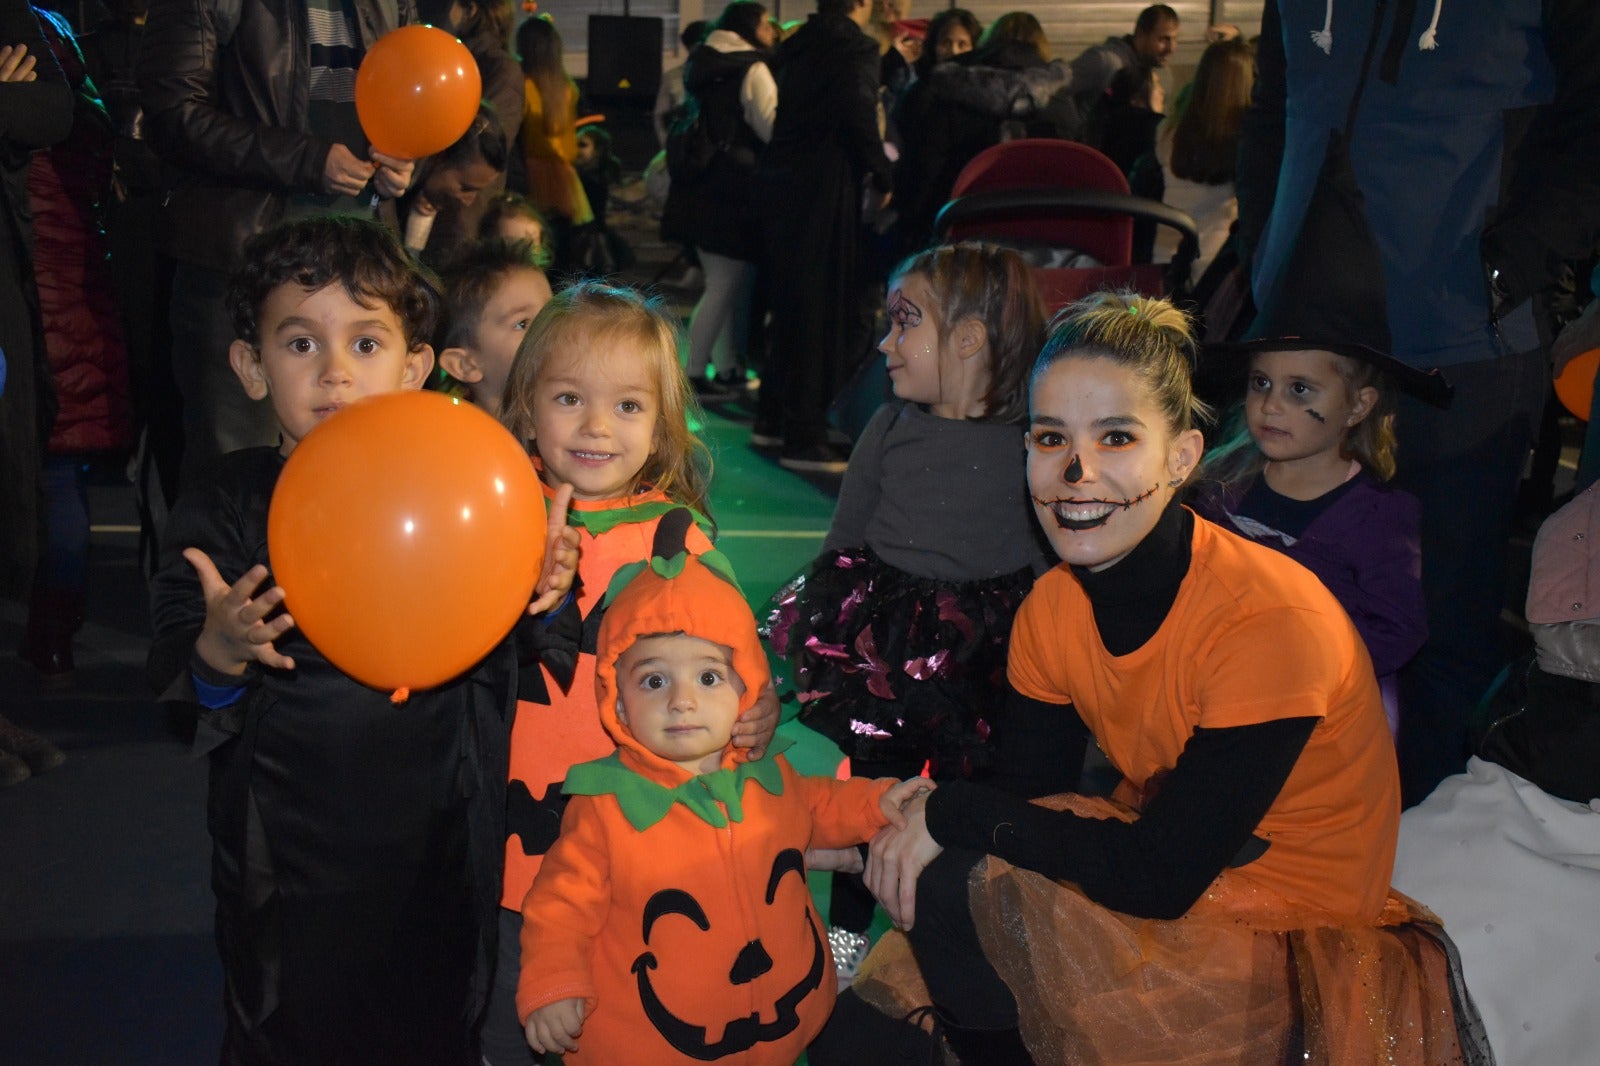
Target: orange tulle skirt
1243	978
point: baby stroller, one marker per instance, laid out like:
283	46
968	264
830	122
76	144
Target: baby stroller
1067	209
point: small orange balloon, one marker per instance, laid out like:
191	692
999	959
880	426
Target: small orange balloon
417	92
407	532
1575	386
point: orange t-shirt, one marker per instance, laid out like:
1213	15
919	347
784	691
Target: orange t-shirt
1252	637
549	739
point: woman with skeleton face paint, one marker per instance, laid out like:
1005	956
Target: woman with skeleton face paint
1230	900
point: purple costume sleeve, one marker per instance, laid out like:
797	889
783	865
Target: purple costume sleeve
1367	549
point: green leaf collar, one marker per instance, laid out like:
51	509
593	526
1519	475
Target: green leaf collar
644	802
604	520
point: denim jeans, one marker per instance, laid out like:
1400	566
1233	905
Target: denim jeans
1464	465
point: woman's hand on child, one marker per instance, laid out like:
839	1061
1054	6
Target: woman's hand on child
560	556
343	173
556	1026
897	858
895	800
393	176
237	631
754	728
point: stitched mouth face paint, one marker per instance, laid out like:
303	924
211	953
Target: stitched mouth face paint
1101	459
1079	515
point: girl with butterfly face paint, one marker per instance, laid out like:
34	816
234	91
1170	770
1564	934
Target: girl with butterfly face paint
897	634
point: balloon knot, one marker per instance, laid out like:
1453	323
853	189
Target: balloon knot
399	696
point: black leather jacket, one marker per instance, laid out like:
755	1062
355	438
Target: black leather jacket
228	112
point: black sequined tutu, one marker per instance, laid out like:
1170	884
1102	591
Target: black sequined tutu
893	667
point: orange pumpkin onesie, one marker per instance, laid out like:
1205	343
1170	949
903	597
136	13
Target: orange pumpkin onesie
676	905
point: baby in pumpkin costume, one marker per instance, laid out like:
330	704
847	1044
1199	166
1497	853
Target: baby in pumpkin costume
671	922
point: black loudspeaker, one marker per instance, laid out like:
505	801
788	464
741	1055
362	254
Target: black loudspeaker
624	57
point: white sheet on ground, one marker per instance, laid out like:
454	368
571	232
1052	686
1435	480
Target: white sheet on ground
1515	875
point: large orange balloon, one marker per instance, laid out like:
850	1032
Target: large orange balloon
417	91
1575	386
407	532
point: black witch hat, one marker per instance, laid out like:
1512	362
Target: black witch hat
1330	295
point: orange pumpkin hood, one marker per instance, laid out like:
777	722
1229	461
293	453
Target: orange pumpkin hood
663	599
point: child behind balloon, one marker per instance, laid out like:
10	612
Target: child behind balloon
354	842
493	290
598	167
897	633
597	393
514	218
671	923
597	249
435	209
1305	470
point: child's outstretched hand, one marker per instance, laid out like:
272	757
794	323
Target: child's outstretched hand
236	632
754	728
894	801
560	556
556	1026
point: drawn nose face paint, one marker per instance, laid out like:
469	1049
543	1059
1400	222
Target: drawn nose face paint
1074	472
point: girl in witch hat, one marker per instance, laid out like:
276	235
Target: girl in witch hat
1306	462
1305	469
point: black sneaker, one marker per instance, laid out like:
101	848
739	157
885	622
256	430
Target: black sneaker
857	1032
763	435
817	459
708	391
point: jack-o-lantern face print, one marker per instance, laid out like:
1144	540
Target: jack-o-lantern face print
749	962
